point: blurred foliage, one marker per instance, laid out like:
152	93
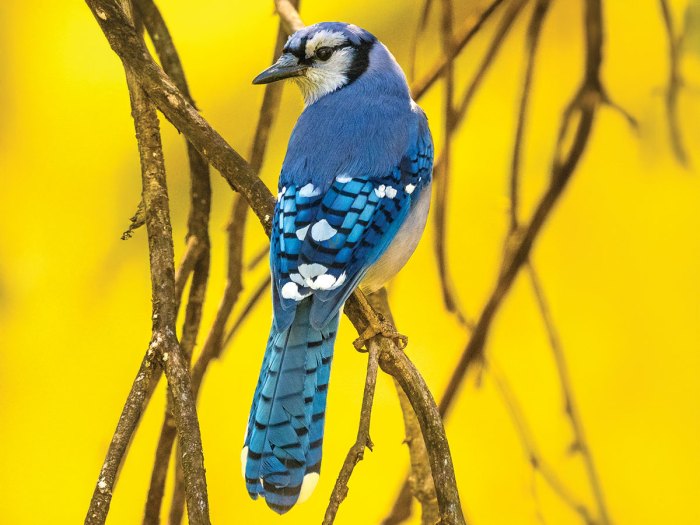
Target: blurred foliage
618	259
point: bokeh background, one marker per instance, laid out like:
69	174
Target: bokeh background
618	258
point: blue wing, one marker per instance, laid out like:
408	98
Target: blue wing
324	241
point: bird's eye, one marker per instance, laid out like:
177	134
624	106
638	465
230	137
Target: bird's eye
324	53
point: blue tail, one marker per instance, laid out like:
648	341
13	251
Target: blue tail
282	451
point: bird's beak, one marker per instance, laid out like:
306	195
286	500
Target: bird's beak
286	67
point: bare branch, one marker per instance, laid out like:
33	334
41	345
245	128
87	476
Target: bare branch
675	81
141	390
533	36
535	458
419	483
570	408
253	301
466	32
357	451
442	175
580	115
196	257
289	16
502	31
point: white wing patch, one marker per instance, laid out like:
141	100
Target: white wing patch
309	191
322	231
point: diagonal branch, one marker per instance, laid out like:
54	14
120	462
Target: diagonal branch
580	444
675	82
466	32
527	440
357	451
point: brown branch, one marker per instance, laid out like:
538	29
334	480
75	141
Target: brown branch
535	458
580	114
172	357
675	82
196	257
289	16
396	363
183	115
140	394
466	32
419	484
173	104
580	444
533	36
357	451
511	14
442	175
252	302
193	251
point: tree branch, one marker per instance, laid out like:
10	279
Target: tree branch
466	32
357	451
675	82
580	444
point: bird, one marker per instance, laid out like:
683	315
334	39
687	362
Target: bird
352	203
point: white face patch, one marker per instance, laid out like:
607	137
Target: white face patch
323	38
325	77
322	231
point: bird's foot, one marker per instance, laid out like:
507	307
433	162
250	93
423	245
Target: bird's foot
380	327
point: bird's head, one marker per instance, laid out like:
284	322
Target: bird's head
322	58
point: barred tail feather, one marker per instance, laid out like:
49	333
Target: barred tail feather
282	451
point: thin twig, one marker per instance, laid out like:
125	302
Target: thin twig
572	413
289	16
510	16
193	251
422	24
136	402
675	82
466	32
442	175
252	302
533	36
357	451
396	363
580	115
535	458
419	484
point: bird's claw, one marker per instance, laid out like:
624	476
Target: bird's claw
383	328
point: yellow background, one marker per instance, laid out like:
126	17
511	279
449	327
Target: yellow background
619	261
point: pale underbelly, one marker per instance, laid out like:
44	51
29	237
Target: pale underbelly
401	248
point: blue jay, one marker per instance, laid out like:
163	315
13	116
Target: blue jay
352	202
